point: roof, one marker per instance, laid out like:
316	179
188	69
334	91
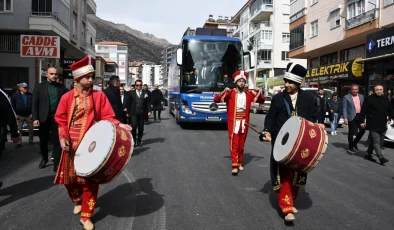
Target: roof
220	38
221	23
111	43
101	58
135	64
242	8
110	62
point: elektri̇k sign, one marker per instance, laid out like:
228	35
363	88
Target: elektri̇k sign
40	46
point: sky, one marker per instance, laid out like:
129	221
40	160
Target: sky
167	19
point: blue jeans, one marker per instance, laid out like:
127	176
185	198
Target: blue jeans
334	123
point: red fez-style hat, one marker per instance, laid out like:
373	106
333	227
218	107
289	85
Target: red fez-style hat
82	67
240	75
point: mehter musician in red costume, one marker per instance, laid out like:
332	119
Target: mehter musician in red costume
286	181
75	115
238	101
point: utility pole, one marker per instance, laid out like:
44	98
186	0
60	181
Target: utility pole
256	63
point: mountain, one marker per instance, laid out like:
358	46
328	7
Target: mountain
142	46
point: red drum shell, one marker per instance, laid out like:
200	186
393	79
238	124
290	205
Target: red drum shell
310	146
116	159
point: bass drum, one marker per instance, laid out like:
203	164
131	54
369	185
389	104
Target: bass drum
103	152
300	144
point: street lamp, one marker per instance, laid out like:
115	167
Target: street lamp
254	43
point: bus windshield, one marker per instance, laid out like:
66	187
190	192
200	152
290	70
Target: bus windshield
209	65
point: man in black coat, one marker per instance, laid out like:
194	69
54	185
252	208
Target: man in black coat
125	98
293	101
46	97
138	104
146	89
322	103
7	117
377	113
113	94
22	102
157	101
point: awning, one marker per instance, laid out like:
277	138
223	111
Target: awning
376	58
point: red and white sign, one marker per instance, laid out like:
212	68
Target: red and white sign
40	46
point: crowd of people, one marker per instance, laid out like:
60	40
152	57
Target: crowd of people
360	113
63	115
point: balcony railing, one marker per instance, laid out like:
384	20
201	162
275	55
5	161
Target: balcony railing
360	19
76	4
50	15
261	25
75	36
298	15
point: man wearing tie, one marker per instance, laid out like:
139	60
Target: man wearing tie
125	97
204	73
138	103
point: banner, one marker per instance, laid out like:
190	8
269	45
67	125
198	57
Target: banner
40	46
345	70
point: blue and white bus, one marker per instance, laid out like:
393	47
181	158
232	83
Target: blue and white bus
196	75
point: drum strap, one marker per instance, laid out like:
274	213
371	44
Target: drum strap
287	107
94	108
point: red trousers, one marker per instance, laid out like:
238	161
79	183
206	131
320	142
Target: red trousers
237	148
86	195
287	193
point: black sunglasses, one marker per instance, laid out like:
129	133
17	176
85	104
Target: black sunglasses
138	85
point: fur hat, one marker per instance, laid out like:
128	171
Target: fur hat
82	67
295	72
240	75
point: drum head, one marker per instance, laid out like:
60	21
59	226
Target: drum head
286	138
94	148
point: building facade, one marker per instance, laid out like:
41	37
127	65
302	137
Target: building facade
117	52
333	37
151	74
166	55
263	27
221	23
64	19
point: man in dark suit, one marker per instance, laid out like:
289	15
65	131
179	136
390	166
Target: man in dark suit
125	98
46	97
157	100
113	94
146	89
139	103
352	104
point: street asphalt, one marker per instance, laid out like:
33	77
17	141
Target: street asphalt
181	179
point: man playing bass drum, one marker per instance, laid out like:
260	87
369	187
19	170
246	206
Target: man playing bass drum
293	101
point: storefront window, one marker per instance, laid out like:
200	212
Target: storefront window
381	73
314	62
352	53
328	59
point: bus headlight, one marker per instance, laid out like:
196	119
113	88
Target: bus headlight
185	107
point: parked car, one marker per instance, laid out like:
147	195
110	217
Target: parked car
328	93
389	136
263	108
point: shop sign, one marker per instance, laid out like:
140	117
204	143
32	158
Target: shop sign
344	70
40	46
67	67
380	43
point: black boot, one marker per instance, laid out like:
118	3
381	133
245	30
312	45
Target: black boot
43	164
383	161
369	157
